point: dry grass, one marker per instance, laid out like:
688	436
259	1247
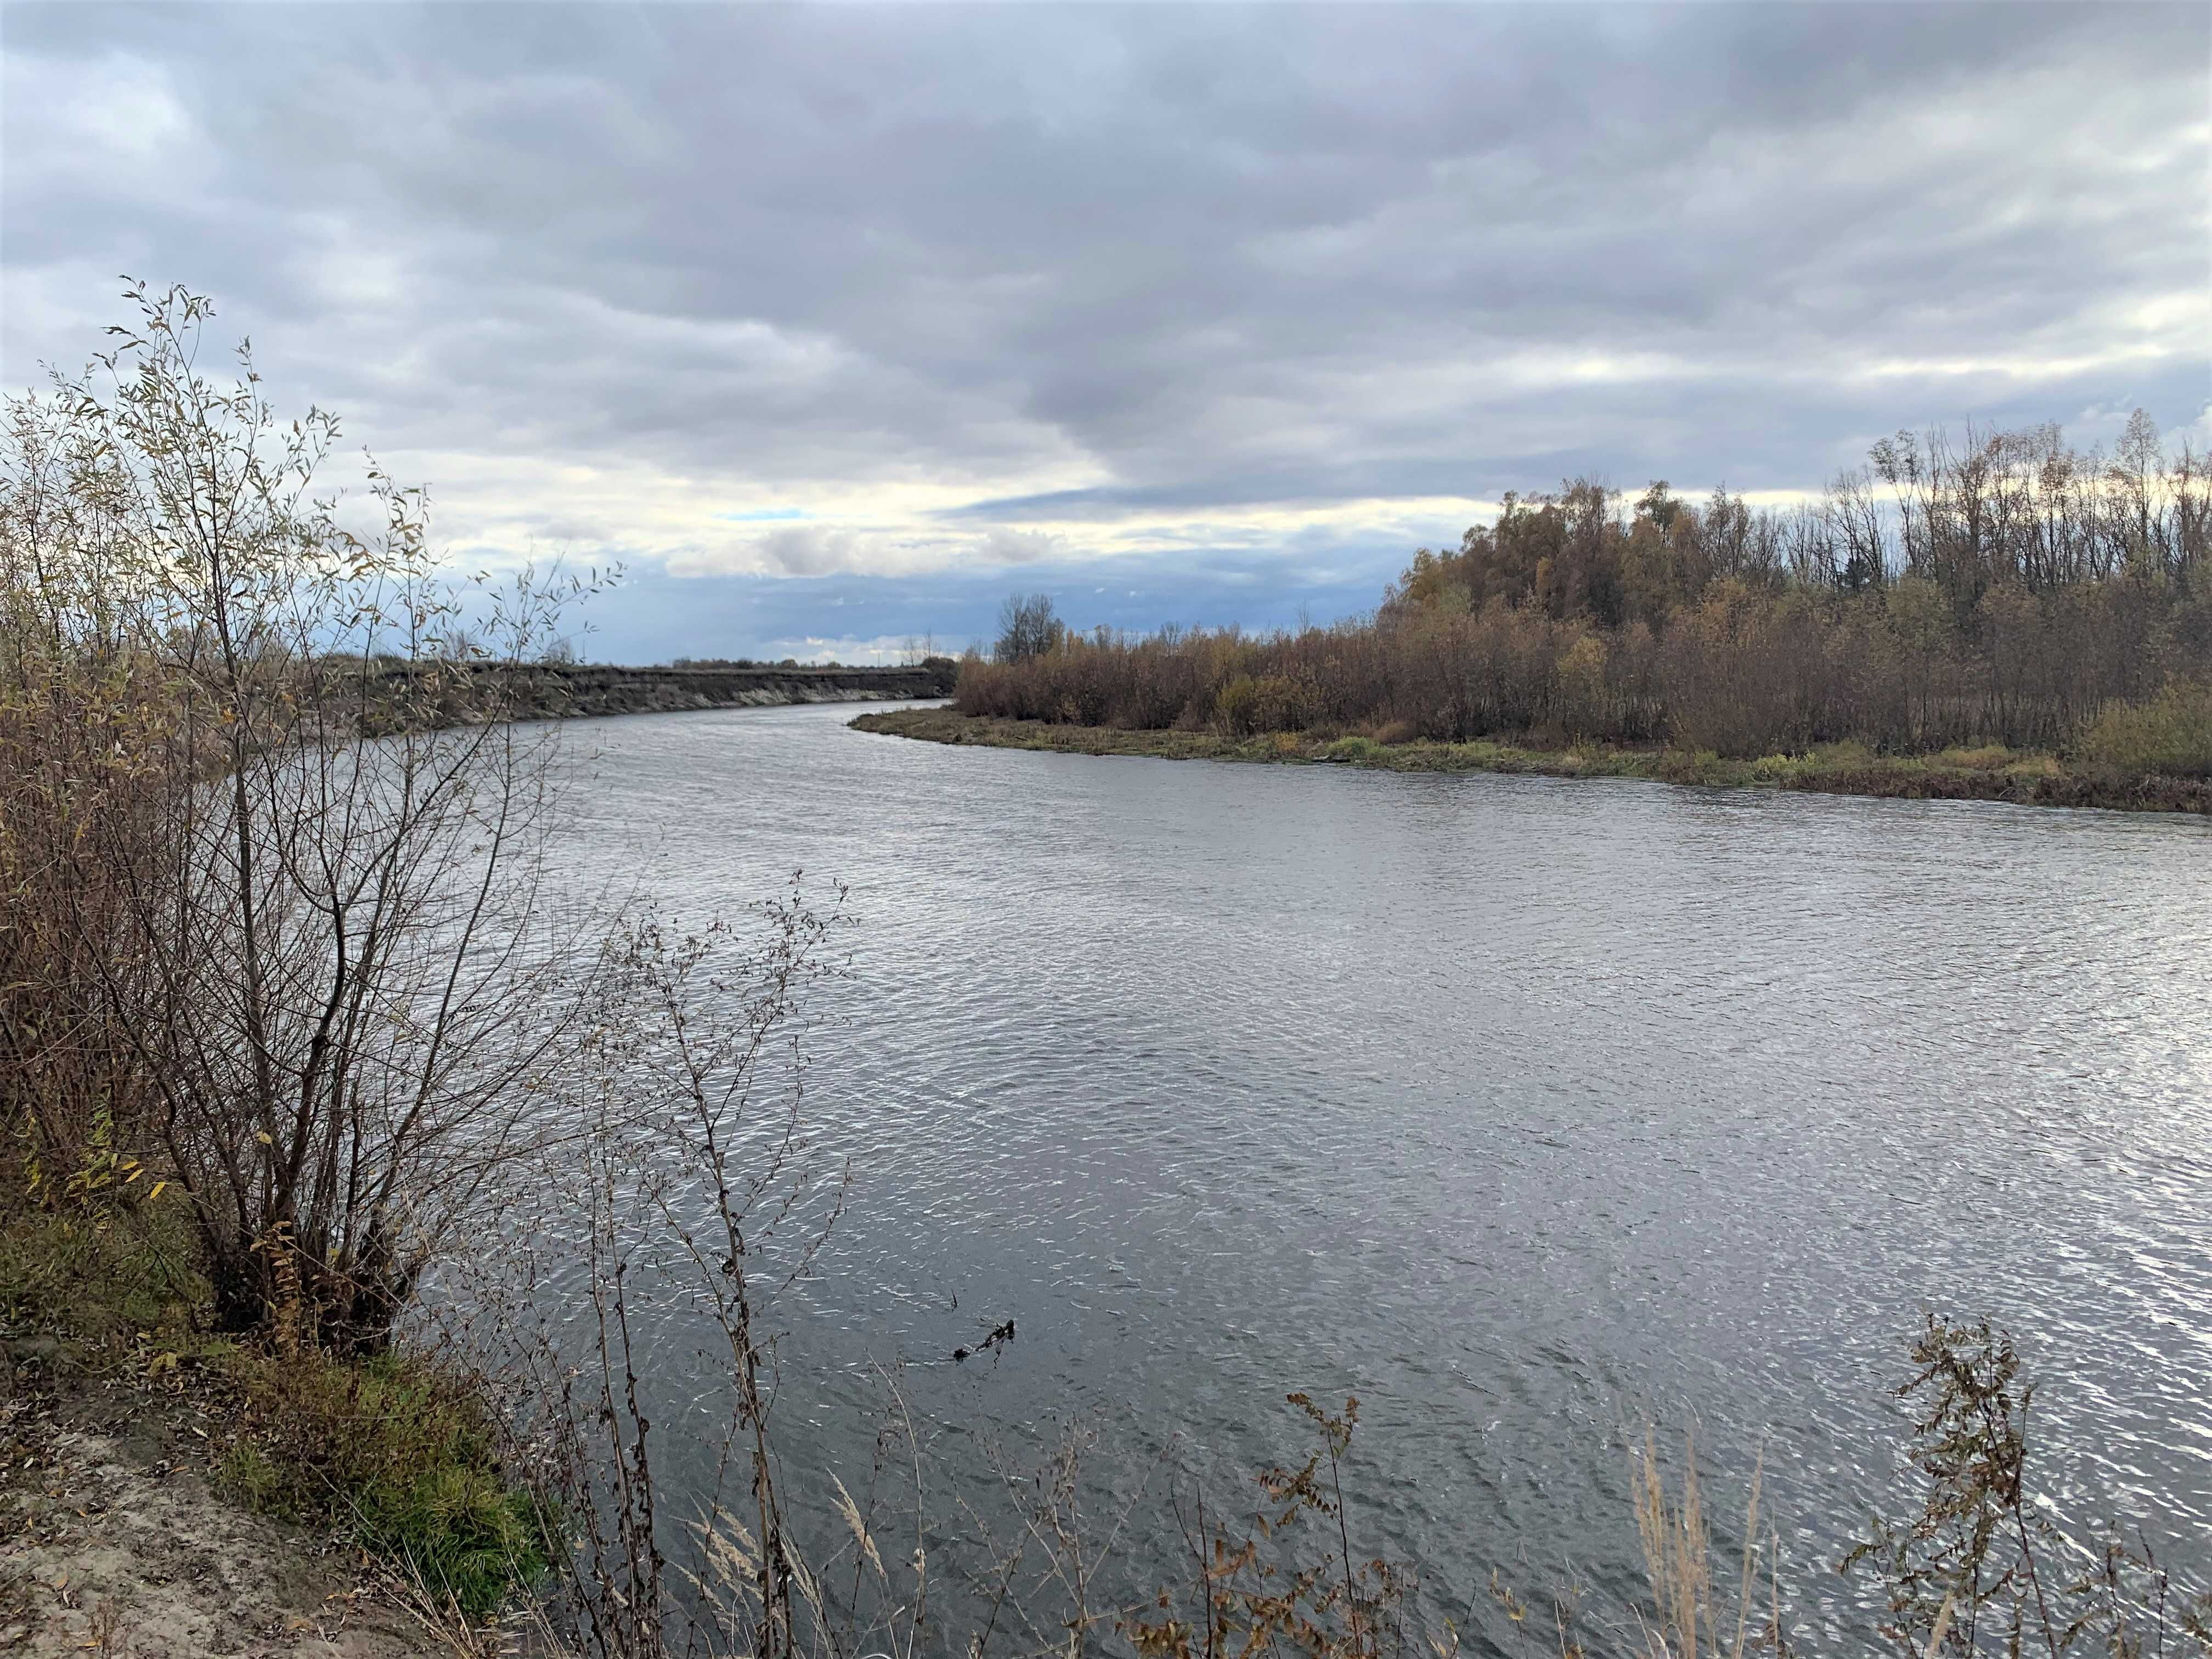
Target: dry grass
1690	1620
1990	758
2034	780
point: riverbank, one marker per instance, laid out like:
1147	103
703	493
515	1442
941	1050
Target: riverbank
446	693
1990	774
118	1544
165	1489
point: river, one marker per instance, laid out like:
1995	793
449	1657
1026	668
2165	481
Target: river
1529	1110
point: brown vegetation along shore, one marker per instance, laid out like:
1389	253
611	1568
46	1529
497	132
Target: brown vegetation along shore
1943	610
1990	774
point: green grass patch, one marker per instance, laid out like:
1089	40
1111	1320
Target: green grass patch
396	1450
399	1451
460	1531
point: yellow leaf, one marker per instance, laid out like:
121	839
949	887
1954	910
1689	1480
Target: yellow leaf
156	1193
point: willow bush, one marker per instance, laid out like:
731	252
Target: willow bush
301	969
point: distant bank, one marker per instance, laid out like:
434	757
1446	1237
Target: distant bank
573	691
1988	774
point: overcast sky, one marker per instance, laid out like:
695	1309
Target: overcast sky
836	324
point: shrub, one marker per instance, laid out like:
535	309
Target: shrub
1585	702
106	1263
1246	706
2171	736
320	962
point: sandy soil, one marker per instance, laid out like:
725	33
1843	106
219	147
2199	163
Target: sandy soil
111	1544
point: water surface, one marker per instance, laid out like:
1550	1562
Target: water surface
1527	1109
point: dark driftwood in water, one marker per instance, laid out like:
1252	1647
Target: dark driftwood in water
1001	1334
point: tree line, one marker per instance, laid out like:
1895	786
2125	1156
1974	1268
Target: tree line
2001	589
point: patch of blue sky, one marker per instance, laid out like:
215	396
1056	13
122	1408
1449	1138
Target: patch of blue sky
766	515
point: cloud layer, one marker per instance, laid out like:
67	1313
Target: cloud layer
937	299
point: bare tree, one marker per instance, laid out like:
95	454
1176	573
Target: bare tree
320	959
692	1198
1027	627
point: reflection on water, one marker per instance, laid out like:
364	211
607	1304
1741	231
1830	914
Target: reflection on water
1524	1108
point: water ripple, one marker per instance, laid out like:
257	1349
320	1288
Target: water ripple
1525	1109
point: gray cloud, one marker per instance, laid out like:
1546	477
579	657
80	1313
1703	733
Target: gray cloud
807	551
1032	268
1002	546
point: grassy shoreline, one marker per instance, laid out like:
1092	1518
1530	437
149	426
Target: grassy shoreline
1992	774
105	1338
